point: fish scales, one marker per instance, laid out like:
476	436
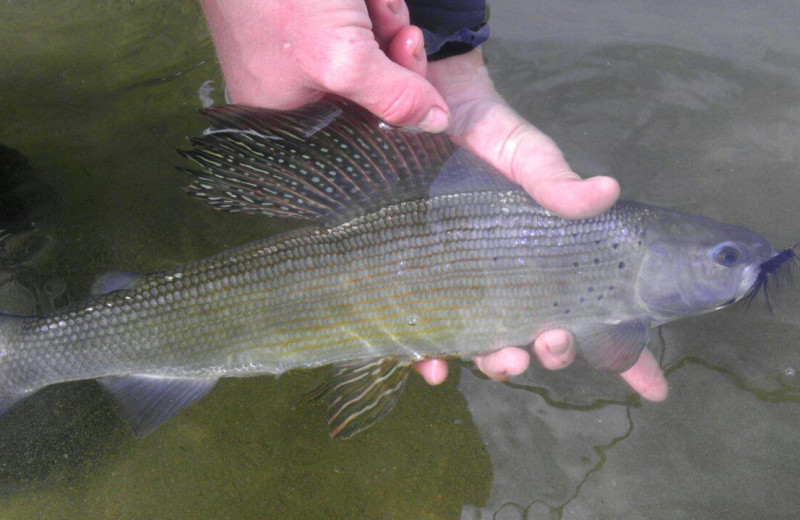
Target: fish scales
456	266
415	249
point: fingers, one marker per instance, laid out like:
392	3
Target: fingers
407	48
572	198
396	89
535	162
531	159
646	377
503	364
387	17
554	349
433	370
398	96
500	365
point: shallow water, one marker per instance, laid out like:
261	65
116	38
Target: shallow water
696	108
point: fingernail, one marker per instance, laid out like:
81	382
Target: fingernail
557	349
419	51
435	121
395	6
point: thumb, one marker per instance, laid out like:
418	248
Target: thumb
399	96
484	124
496	133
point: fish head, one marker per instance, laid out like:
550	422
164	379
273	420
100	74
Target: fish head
693	264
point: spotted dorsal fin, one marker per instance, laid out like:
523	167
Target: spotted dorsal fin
327	162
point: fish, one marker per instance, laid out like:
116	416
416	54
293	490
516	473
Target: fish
413	248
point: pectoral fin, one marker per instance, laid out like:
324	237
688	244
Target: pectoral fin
147	402
615	347
360	394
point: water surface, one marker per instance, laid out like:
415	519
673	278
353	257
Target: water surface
695	108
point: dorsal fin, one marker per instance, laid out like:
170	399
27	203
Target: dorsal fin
463	172
326	162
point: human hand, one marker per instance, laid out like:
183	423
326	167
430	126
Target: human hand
286	54
483	123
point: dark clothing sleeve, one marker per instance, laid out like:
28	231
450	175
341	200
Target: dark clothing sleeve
450	27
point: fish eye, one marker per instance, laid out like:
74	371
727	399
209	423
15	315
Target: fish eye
726	254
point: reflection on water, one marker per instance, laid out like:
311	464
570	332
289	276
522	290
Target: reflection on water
701	120
691	107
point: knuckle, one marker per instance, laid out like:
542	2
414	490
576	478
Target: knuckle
344	66
337	77
398	108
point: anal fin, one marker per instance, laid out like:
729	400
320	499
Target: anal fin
361	394
146	402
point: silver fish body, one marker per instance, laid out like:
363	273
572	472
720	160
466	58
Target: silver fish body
456	273
452	275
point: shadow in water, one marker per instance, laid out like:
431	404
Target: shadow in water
57	432
55	435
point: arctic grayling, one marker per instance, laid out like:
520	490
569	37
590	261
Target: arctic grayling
414	248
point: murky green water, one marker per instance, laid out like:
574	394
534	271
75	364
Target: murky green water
691	107
99	97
